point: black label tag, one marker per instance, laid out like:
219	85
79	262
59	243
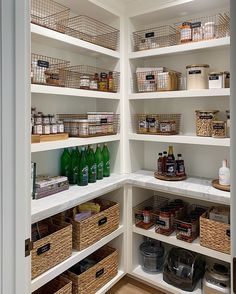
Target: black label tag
149	35
103	75
206	117
214	78
216	127
180	228
195	72
43	249
100	272
102	221
150	77
151	120
43	63
197	24
103	120
160	222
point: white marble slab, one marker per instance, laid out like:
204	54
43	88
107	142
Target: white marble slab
195	188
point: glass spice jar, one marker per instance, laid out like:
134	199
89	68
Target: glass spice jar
53	128
103	83
84	82
38	119
83	127
52	119
185	32
219	129
46	120
38	129
60	126
94	82
46	129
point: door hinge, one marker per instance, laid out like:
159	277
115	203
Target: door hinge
234	274
28	247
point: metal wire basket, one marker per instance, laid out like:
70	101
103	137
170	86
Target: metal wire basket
45	70
90	78
157	124
92	124
91	30
48	13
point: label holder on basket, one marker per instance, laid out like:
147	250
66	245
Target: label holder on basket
99	273
43	249
102	221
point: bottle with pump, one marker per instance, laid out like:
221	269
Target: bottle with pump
224	174
160	164
99	162
180	168
170	163
83	169
106	161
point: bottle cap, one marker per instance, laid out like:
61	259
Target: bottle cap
160	154
179	155
165	152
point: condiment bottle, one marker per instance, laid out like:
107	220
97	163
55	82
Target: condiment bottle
160	164
103	83
146	216
170	163
83	169
92	166
94	82
164	162
110	82
106	161
185	32
224	174
180	168
99	162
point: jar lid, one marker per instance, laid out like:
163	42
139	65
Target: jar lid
60	121
207	111
82	120
218	122
209	23
198	65
216	73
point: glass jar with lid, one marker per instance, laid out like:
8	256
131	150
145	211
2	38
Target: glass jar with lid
219	129
83	127
84	82
185	32
46	120
197	76
38	119
204	119
60	126
46	129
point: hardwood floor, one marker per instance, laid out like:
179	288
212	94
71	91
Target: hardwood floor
128	285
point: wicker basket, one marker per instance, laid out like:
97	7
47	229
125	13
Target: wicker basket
91	30
97	276
214	235
45	70
90	230
157	124
52	249
48	13
60	285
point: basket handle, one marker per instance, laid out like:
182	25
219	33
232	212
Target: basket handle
100	273
102	221
43	249
228	232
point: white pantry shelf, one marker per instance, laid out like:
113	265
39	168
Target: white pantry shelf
72	142
157	280
50	90
194	188
181	94
194	246
75	258
181	139
70	44
111	283
51	205
182	48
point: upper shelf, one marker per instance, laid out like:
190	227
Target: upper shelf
181	94
44	89
183	48
68	43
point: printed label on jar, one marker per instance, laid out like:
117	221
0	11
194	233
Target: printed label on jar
195	72
217	127
143	124
184	230
214	78
197	24
93	85
206	117
165	127
43	63
159	168
150	77
149	35
60	128
53	129
163	222
37	129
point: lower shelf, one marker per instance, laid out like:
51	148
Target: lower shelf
157	281
194	246
75	258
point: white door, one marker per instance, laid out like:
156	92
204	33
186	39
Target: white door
14	146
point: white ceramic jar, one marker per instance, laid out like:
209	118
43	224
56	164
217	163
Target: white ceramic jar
197	76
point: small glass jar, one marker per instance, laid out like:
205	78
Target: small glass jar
84	82
46	120
103	83
167	126
53	128
216	80
185	32
209	30
219	129
197	76
52	119
38	129
60	126
46	129
164	221
142	124
83	127
153	123
197	32
38	119
204	121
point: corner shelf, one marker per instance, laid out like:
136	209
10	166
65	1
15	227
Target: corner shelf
194	246
182	48
181	139
72	142
75	258
50	90
62	41
181	94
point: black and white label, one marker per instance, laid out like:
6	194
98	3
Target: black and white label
161	222
43	63
100	272
103	120
206	117
218	127
102	221
197	24
43	249
150	77
195	72
214	78
182	229
149	35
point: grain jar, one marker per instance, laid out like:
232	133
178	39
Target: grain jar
219	129
197	76
204	119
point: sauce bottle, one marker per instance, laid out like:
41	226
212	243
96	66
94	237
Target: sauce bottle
170	163
180	168
160	164
164	162
110	82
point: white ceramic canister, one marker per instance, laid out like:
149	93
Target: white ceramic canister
197	76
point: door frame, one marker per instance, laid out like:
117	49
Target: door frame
15	210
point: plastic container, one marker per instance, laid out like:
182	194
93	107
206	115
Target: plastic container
197	76
204	119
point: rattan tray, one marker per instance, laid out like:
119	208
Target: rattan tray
216	185
165	178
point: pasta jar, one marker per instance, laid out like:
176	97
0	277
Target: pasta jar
142	124
83	129
209	30
185	32
219	129
216	80
197	76
204	121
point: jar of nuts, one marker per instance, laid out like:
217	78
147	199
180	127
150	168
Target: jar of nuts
204	119
219	129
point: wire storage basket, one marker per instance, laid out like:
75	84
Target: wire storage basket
92	124
91	30
156	79
158	124
45	70
163	36
90	78
48	13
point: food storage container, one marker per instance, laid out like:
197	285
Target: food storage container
204	120
209	30
216	80
197	76
219	129
153	123
185	32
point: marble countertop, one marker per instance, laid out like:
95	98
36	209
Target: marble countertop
195	188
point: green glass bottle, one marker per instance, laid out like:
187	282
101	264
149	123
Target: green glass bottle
99	162
74	166
92	166
83	169
106	161
65	164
